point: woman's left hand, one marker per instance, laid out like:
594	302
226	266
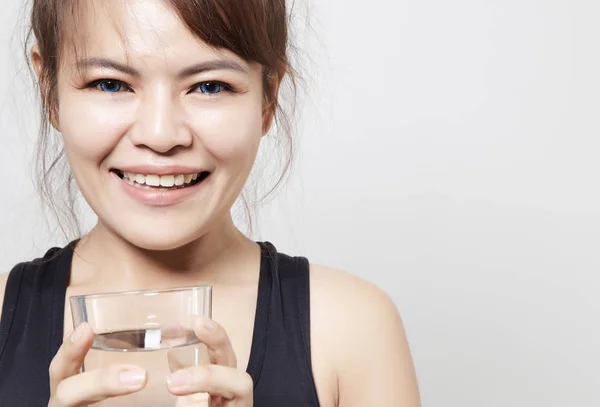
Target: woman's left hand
226	385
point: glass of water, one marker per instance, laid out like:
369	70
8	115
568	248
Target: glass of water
153	329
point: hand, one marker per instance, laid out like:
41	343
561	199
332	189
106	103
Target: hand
226	385
70	388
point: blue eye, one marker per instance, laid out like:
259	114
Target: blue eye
110	86
210	88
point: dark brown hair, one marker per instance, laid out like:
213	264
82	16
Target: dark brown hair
255	30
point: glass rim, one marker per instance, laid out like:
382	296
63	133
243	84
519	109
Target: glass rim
141	292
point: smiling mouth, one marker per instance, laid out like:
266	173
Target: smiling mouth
162	182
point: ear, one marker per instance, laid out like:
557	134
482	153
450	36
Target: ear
270	101
37	64
36	60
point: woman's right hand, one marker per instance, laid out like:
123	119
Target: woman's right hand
70	388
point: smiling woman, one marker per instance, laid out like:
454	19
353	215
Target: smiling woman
161	107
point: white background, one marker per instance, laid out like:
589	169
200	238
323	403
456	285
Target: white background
448	154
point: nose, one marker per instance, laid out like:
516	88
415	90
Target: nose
159	124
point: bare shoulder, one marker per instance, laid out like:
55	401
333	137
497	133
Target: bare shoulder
351	304
345	292
364	334
3	281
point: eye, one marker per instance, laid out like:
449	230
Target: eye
211	88
109	85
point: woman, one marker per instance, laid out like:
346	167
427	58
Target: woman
161	106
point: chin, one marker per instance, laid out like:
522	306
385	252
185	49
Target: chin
161	239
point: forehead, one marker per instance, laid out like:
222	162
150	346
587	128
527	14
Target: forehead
140	31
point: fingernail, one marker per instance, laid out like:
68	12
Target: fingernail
209	325
132	377
179	378
78	333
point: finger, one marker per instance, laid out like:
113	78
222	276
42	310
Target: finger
69	358
217	342
193	400
97	385
218	381
67	334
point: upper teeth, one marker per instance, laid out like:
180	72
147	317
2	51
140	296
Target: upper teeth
160	180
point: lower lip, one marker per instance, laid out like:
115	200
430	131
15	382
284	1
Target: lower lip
158	197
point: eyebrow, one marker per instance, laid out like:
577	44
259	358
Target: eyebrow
213	65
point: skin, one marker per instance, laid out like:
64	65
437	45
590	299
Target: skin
359	348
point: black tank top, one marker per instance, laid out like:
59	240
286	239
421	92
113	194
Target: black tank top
31	330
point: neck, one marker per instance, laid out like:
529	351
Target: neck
222	256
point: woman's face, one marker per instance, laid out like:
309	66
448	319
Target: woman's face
161	131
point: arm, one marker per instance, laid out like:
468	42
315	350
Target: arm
372	357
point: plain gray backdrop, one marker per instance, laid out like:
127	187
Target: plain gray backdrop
448	153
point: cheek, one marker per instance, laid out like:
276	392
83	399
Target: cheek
230	132
91	130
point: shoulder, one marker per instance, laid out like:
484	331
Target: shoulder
350	298
3	281
34	272
5	286
362	330
342	290
5	277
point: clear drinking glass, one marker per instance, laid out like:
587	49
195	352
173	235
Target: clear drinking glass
153	329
